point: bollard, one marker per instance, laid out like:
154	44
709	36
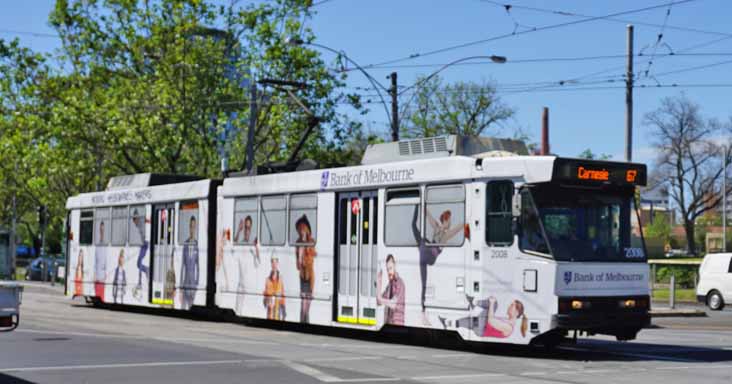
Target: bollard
672	292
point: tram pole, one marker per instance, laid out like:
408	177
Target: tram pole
724	201
252	124
629	99
394	107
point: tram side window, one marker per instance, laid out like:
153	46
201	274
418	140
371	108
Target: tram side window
402	221
136	225
303	219
274	220
102	226
532	233
86	228
499	213
445	215
119	225
245	221
188	222
343	216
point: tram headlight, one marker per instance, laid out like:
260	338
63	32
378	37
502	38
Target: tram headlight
579	304
630	303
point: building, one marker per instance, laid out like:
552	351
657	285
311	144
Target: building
654	201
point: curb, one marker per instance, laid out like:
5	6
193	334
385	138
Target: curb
46	287
677	313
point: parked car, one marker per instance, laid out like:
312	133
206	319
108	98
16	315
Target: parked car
39	264
675	253
715	280
10	296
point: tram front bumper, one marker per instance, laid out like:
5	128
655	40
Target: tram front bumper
605	315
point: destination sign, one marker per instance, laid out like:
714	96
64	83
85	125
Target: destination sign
588	171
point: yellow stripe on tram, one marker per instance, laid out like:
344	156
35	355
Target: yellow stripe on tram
163	301
353	320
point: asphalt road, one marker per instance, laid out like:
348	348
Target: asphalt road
64	342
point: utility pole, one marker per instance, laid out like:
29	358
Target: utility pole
724	201
13	231
252	124
629	99
394	108
545	132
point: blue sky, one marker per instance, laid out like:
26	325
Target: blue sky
377	31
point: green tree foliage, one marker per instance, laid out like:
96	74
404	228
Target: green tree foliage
462	108
589	155
660	228
161	86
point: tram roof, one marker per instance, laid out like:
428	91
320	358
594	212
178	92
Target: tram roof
191	190
530	169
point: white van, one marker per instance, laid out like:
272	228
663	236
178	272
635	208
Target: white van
715	280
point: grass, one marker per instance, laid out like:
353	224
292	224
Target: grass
685	294
19	273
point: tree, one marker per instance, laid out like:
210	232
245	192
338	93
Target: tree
160	86
462	108
589	155
659	228
689	157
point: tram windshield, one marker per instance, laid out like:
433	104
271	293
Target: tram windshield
573	224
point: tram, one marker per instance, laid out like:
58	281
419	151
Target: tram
438	233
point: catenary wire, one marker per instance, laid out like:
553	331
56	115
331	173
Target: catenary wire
537	29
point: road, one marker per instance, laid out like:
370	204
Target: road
68	342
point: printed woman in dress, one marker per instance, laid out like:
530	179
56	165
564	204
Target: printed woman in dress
274	293
305	254
79	275
189	269
442	232
119	284
495	326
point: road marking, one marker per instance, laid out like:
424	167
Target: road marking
128	365
312	372
346	358
232	341
449	355
120	336
458	377
170	339
533	374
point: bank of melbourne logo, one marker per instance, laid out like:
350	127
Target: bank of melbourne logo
324	180
567	277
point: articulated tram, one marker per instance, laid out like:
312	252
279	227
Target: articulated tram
429	233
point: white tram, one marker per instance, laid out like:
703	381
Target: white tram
515	249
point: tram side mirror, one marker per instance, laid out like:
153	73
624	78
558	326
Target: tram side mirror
516	205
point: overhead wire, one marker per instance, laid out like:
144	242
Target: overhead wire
657	43
28	33
517	33
539	60
613	19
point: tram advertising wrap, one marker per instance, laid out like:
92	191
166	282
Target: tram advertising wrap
515	249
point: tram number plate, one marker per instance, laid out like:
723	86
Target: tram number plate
634	253
499	254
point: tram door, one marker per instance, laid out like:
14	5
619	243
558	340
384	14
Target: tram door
357	257
163	271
